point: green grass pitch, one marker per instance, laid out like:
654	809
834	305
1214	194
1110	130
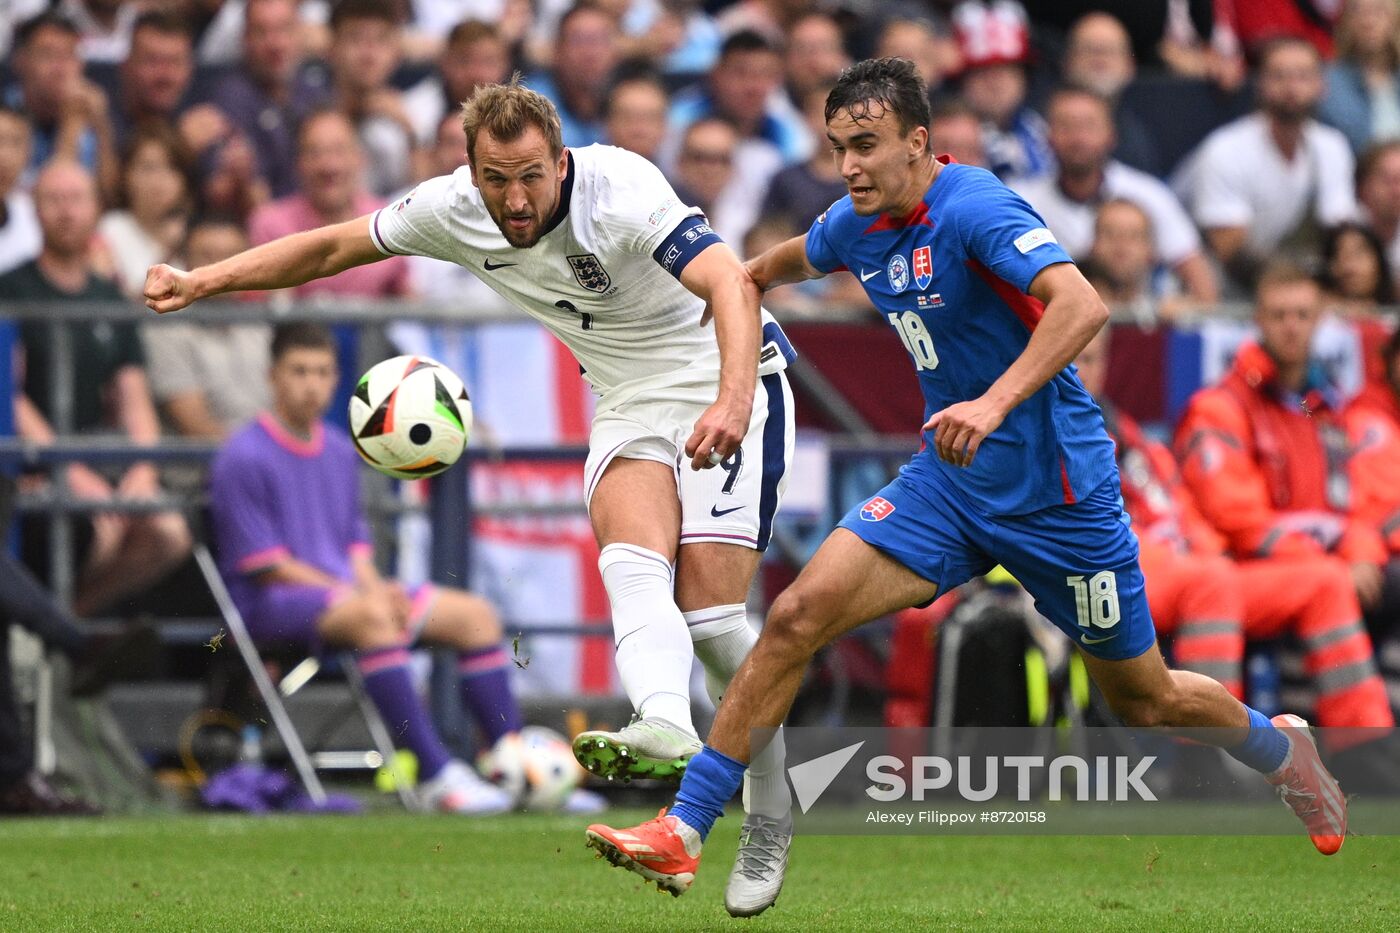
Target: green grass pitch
407	873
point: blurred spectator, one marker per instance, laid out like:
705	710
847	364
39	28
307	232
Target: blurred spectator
1208	604
364	53
704	178
475	54
330	165
1363	83
67	112
995	44
1081	137
155	78
815	56
577	83
201	370
634	115
1355	274
153	201
1258	22
1099	56
744	90
1125	269
770	18
955	129
1272	179
1196	44
1375	479
1267	451
1382	396
1357	283
19	228
104	27
428	34
300	567
800	192
123	553
924	42
270	94
1378	190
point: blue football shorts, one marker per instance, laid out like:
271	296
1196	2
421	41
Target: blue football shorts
1079	561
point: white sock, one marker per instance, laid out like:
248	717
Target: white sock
654	654
723	638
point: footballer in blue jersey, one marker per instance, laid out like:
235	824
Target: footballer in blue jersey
1016	469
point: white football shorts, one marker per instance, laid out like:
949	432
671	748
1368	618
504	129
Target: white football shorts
733	503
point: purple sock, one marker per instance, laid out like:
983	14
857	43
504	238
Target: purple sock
391	688
485	678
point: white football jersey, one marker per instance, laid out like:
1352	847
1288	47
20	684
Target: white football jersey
604	278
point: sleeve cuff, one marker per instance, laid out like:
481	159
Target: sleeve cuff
261	560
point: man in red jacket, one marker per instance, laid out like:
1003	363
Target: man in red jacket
1376	469
1209	604
1272	454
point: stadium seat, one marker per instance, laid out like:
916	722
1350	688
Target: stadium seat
272	695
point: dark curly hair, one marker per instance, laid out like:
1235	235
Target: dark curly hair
873	87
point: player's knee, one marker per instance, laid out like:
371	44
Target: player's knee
373	624
477	620
794	626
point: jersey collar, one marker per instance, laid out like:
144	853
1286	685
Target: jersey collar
566	193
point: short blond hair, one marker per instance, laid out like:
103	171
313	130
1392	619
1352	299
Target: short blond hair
506	110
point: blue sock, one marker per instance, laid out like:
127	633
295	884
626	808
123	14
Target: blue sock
711	780
1265	747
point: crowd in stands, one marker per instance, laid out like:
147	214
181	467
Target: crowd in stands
1177	149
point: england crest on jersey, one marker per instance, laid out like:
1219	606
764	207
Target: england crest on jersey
898	273
590	272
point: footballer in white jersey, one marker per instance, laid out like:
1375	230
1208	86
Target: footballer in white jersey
604	276
693	430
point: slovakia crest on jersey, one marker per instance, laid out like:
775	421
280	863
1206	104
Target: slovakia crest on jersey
923	267
898	272
876	509
590	272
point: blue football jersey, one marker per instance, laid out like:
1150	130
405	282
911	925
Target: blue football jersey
951	279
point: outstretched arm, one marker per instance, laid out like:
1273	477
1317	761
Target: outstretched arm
284	263
717	276
784	263
1073	315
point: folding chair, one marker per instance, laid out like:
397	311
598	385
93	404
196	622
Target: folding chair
306	764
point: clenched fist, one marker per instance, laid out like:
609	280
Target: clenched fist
168	289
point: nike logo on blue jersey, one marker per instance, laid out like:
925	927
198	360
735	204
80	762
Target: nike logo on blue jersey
493	266
867	276
1094	641
715	511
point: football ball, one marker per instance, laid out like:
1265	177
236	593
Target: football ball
537	767
410	417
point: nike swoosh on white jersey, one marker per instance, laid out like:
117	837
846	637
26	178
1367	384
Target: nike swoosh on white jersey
867	276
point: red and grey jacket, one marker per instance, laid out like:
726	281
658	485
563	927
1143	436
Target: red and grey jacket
1159	504
1272	470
